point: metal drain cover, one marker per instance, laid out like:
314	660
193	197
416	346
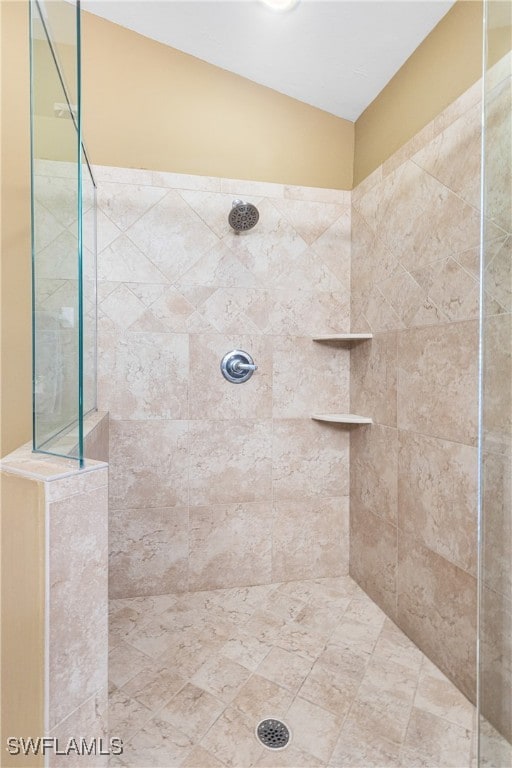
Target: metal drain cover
273	734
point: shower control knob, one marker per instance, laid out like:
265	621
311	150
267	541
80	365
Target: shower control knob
237	366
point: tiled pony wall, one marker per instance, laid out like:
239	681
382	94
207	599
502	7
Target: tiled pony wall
214	484
415	283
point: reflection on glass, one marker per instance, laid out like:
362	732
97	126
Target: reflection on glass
64	256
495	588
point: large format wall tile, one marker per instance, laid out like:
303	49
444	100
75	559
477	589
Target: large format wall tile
373	557
177	290
438	381
164	394
148	551
310	538
230	461
437	502
149	464
373	378
496	660
373	471
212	396
310	459
308	377
230	545
78	631
437	609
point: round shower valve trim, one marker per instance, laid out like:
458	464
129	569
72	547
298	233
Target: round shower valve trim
237	366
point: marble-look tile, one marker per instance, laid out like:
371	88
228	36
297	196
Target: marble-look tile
89	721
373	470
193	711
310	538
189	648
453	291
497	273
200	758
331	689
334	249
498	106
260	696
229	465
160	394
308	377
437	496
172	235
158	743
310	219
111	173
437	381
497	372
125	715
310	459
285	669
409	300
496	660
230	545
453	156
373	378
246	649
219	268
438	696
185	181
148	551
436	607
148	464
322	619
124	662
122	307
393	648
125	203
221	677
154	686
306	719
249	187
232	739
318	194
78	600
212	207
291	757
212	396
373	556
437	740
122	261
360	747
497	522
366	184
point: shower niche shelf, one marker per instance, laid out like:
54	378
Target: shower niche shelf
347	337
342	418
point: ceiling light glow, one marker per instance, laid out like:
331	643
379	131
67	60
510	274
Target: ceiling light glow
281	5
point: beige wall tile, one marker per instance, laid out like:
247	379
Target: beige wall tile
232	464
310	538
230	545
373	470
437	610
148	464
211	396
88	721
496	660
308	377
373	378
148	551
310	459
78	609
438	380
373	557
437	496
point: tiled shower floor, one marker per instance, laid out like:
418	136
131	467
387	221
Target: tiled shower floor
192	675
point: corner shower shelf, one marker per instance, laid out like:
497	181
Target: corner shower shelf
344	337
342	418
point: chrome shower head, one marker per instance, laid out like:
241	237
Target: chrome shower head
243	216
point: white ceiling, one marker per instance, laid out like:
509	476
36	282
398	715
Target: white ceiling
334	54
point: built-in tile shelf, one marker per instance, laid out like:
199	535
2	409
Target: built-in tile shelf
344	337
342	418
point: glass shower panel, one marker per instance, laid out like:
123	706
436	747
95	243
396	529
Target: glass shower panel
63	236
495	583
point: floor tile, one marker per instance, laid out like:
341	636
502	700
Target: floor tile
193	711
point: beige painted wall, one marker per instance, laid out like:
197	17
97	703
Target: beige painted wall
22	613
15	353
151	106
445	65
